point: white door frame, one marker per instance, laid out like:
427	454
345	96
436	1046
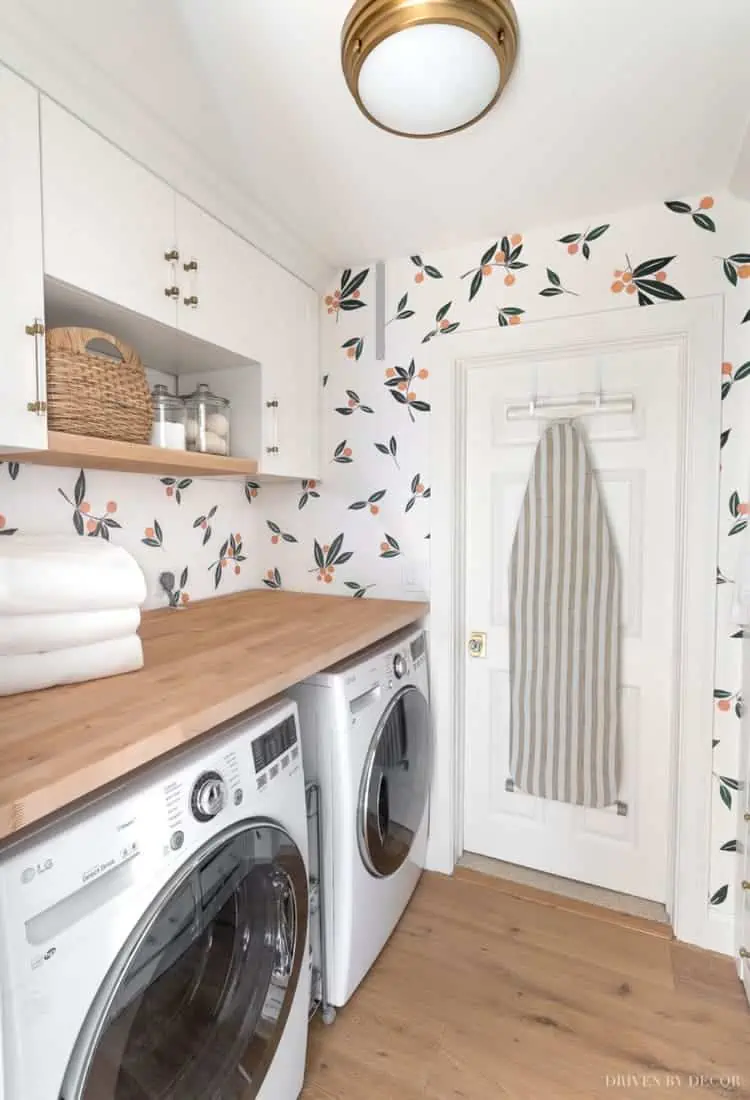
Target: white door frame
697	325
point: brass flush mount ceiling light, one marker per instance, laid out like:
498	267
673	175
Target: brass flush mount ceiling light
431	68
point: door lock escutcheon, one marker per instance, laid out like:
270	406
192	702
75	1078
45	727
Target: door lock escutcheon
477	644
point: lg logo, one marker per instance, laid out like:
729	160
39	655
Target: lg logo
29	873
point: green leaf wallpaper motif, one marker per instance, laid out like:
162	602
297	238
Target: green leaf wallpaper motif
581	242
697	213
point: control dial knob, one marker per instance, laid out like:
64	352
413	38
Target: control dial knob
209	796
399	666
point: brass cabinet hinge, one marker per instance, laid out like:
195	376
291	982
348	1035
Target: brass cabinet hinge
37	329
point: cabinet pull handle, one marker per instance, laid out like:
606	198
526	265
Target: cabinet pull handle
274	447
172	291
744	953
191	266
36	329
191	301
172	256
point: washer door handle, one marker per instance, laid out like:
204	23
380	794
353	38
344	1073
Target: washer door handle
384	813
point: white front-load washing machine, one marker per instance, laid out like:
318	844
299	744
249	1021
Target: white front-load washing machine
153	943
367	741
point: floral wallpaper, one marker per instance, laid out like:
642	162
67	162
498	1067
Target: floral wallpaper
198	536
364	530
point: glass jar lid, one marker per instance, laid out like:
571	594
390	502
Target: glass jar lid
203	394
163	399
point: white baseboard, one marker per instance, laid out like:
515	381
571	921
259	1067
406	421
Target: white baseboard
719	932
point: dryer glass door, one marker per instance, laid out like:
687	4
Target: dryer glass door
396	783
196	1003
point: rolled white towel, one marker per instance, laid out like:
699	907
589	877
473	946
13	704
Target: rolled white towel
32	671
41	574
42	633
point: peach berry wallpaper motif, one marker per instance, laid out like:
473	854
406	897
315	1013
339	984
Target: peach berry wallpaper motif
376	489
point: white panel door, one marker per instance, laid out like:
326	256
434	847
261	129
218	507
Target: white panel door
108	222
21	280
221	280
291	379
637	457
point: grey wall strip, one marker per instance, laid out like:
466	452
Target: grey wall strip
380	311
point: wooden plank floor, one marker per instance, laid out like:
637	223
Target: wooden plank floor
482	995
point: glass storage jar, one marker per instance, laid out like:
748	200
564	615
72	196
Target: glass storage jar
169	419
207	426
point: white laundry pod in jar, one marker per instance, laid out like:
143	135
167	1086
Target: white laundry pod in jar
208	422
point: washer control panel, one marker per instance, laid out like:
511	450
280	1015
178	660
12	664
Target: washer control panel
276	743
209	796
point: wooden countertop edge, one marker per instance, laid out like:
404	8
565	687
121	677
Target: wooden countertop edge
33	805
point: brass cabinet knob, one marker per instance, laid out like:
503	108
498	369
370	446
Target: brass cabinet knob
191	266
191	301
172	256
172	291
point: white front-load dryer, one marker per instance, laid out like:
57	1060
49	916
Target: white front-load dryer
153	943
367	741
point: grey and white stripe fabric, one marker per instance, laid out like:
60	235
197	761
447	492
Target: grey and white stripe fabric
564	631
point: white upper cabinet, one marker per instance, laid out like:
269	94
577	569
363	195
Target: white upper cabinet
22	417
114	230
108	222
220	277
291	378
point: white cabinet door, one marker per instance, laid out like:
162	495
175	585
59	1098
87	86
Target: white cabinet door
221	280
21	279
108	222
291	378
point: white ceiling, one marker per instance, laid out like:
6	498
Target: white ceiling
610	105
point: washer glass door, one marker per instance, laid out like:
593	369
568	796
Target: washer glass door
396	783
195	1004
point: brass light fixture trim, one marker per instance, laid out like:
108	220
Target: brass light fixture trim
370	22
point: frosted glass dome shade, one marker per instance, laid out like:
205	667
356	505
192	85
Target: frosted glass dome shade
429	79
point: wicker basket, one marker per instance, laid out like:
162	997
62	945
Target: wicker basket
91	392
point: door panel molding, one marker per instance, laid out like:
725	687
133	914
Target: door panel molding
696	327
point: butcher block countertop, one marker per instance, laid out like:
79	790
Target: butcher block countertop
203	665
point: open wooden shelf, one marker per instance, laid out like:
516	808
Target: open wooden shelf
132	458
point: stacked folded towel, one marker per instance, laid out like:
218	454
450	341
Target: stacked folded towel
69	611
